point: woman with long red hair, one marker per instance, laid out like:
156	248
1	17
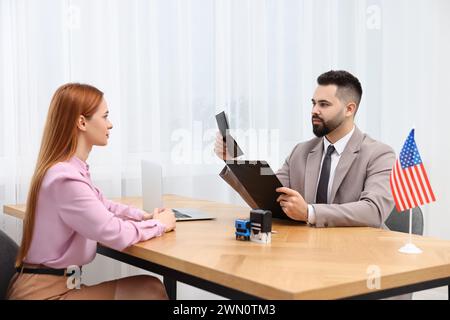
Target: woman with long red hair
66	215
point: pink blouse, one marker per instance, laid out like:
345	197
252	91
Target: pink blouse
72	215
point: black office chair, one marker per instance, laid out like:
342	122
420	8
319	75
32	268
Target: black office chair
399	221
8	253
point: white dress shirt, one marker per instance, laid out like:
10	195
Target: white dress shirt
339	147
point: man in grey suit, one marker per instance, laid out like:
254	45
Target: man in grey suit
341	177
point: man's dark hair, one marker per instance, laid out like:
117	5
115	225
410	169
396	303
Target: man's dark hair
348	86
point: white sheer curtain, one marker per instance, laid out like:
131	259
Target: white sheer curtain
168	66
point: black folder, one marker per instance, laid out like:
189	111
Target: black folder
260	182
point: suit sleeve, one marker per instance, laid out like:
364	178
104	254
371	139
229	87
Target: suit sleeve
283	173
374	204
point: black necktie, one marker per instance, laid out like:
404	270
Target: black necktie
322	188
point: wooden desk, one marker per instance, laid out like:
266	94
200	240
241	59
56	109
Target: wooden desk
300	263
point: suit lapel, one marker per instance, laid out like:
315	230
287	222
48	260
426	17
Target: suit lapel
313	163
349	155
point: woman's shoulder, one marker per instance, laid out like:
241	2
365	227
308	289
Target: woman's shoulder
61	171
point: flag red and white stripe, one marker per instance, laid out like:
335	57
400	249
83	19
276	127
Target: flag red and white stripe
410	186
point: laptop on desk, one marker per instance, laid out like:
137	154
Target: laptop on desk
152	194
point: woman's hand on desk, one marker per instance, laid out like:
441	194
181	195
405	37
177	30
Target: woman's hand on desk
148	216
166	217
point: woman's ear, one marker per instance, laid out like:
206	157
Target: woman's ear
81	123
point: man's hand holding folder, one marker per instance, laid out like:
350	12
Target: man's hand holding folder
293	204
221	149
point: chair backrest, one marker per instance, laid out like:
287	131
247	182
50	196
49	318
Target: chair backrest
399	221
8	253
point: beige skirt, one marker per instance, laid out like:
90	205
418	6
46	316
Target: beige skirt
30	286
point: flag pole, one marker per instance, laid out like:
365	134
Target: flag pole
410	225
410	247
409	159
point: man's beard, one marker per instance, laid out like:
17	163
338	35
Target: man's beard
325	127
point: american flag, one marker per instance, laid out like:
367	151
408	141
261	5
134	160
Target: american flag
409	181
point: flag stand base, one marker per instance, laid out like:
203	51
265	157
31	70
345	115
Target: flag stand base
410	248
